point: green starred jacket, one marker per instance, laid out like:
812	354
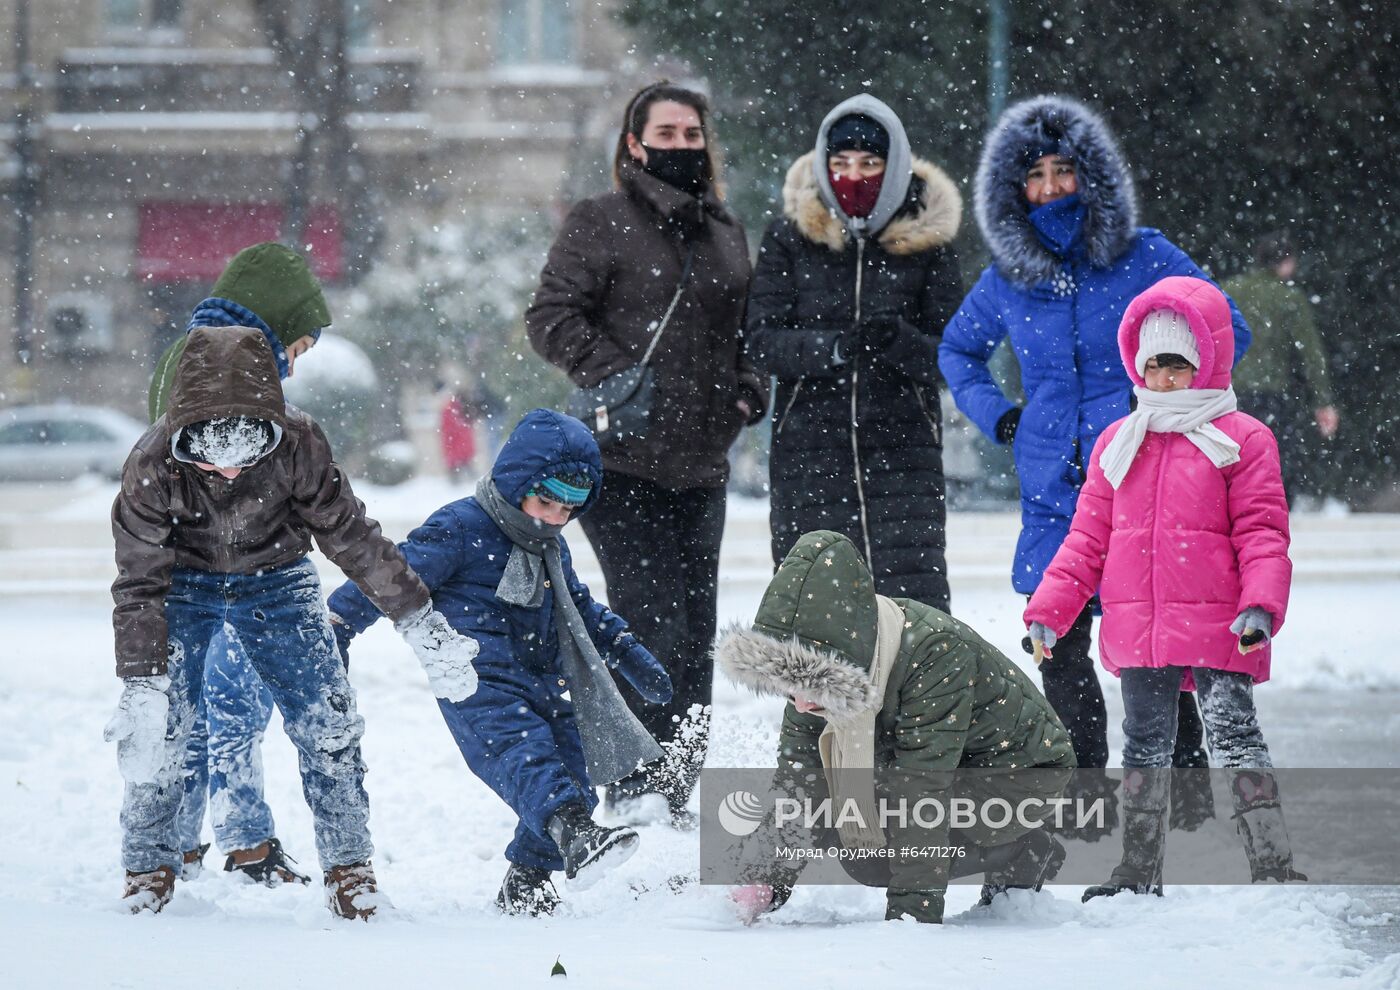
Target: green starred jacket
952	701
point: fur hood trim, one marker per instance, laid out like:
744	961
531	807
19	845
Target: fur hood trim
1105	187
771	666
933	225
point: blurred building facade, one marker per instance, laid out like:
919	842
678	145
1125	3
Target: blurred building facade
161	136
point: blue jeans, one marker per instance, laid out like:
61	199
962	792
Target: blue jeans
281	621
223	758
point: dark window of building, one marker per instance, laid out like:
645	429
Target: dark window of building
137	15
359	22
534	32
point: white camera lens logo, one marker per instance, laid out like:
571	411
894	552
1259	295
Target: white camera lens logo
741	813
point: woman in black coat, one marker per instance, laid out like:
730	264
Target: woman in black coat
852	288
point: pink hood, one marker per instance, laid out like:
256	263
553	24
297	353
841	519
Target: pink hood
1207	311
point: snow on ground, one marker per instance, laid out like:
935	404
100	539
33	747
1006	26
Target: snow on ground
1334	702
440	835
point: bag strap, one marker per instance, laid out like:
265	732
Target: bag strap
675	300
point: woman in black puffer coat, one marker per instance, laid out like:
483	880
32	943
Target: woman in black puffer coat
851	291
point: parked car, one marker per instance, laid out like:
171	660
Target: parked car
61	442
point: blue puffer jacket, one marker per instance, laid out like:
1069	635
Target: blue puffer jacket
517	731
1063	274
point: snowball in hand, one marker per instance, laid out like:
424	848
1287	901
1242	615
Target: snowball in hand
446	655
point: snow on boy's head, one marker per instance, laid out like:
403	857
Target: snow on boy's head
228	441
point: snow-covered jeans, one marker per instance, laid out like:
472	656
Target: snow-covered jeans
282	623
1227	708
223	758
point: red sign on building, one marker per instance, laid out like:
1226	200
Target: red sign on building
185	241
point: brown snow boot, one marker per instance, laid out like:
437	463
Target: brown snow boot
266	863
149	891
351	891
192	862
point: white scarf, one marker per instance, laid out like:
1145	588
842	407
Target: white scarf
850	745
1188	411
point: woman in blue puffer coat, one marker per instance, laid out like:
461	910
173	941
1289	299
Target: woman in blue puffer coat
546	723
1055	203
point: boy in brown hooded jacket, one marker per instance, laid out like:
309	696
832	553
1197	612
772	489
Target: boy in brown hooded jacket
220	500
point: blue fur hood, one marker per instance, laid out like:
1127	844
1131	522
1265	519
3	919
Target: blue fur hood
1105	187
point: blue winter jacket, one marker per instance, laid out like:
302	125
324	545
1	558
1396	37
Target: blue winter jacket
461	555
1062	277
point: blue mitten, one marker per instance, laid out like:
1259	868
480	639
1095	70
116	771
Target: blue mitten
642	670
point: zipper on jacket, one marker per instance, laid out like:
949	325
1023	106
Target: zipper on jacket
782	420
932	423
855	394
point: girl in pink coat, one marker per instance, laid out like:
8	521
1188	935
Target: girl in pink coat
1182	529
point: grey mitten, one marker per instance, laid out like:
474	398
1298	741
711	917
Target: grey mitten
1254	626
446	655
1043	640
138	728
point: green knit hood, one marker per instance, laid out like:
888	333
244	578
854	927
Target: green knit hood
276	283
815	631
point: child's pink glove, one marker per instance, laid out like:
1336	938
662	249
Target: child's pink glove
752	902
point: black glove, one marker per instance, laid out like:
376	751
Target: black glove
1006	426
878	332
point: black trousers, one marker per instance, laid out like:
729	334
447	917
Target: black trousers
659	550
1072	687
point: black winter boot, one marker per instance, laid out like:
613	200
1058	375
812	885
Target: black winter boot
589	849
270	869
1026	864
1259	816
1146	795
527	890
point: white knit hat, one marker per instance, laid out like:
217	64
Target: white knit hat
1165	331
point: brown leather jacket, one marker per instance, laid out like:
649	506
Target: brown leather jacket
609	277
171	513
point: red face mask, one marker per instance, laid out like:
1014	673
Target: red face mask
857	197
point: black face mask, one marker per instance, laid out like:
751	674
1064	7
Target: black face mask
683	168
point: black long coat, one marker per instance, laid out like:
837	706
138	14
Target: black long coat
880	411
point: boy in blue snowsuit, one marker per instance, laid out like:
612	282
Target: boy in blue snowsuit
546	723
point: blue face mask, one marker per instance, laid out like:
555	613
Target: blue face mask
1060	224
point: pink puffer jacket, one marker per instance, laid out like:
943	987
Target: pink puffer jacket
1182	547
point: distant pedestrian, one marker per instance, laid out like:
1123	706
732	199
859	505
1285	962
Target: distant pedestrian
1285	361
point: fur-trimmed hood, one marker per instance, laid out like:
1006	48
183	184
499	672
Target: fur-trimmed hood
785	667
815	632
1105	187
931	223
